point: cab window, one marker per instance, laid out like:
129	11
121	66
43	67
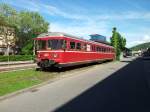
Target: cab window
72	45
55	44
41	45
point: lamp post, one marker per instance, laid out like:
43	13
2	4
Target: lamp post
8	49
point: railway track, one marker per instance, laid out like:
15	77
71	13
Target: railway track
23	66
16	66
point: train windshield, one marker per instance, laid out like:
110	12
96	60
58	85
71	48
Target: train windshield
56	44
41	45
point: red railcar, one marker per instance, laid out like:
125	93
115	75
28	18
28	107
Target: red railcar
61	50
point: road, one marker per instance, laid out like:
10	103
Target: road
110	87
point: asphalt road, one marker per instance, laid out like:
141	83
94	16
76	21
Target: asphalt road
111	87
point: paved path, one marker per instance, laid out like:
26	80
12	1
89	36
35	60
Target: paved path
52	96
127	90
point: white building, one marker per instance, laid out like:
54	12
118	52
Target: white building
7	39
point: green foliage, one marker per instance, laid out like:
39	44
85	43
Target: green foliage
31	24
141	46
118	42
28	49
8	15
16	58
123	42
27	25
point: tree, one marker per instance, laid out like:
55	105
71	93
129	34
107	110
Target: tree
7	26
27	25
8	15
118	42
30	25
115	42
123	43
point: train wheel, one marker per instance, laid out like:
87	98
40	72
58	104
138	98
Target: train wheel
38	69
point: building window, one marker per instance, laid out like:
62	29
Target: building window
72	45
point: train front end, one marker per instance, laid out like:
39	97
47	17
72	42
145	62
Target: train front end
49	51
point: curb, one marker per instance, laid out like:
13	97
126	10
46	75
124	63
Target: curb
26	89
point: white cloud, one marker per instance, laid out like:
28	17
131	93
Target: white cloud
83	31
142	39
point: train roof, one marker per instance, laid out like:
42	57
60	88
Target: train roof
57	34
62	34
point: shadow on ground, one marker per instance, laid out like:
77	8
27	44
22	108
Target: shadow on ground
126	90
55	69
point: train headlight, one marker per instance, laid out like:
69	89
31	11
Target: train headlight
39	55
55	55
46	55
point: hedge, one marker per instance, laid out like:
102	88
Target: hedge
17	58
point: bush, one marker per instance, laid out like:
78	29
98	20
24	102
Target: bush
28	49
16	58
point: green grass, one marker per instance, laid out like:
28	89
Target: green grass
16	80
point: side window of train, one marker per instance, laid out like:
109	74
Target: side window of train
113	50
100	49
105	50
64	46
72	45
93	48
84	47
78	46
97	49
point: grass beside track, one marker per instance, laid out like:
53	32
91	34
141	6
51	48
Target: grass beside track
16	80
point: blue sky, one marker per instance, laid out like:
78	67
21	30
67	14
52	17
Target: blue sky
83	17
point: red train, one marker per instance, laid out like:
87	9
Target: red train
61	50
